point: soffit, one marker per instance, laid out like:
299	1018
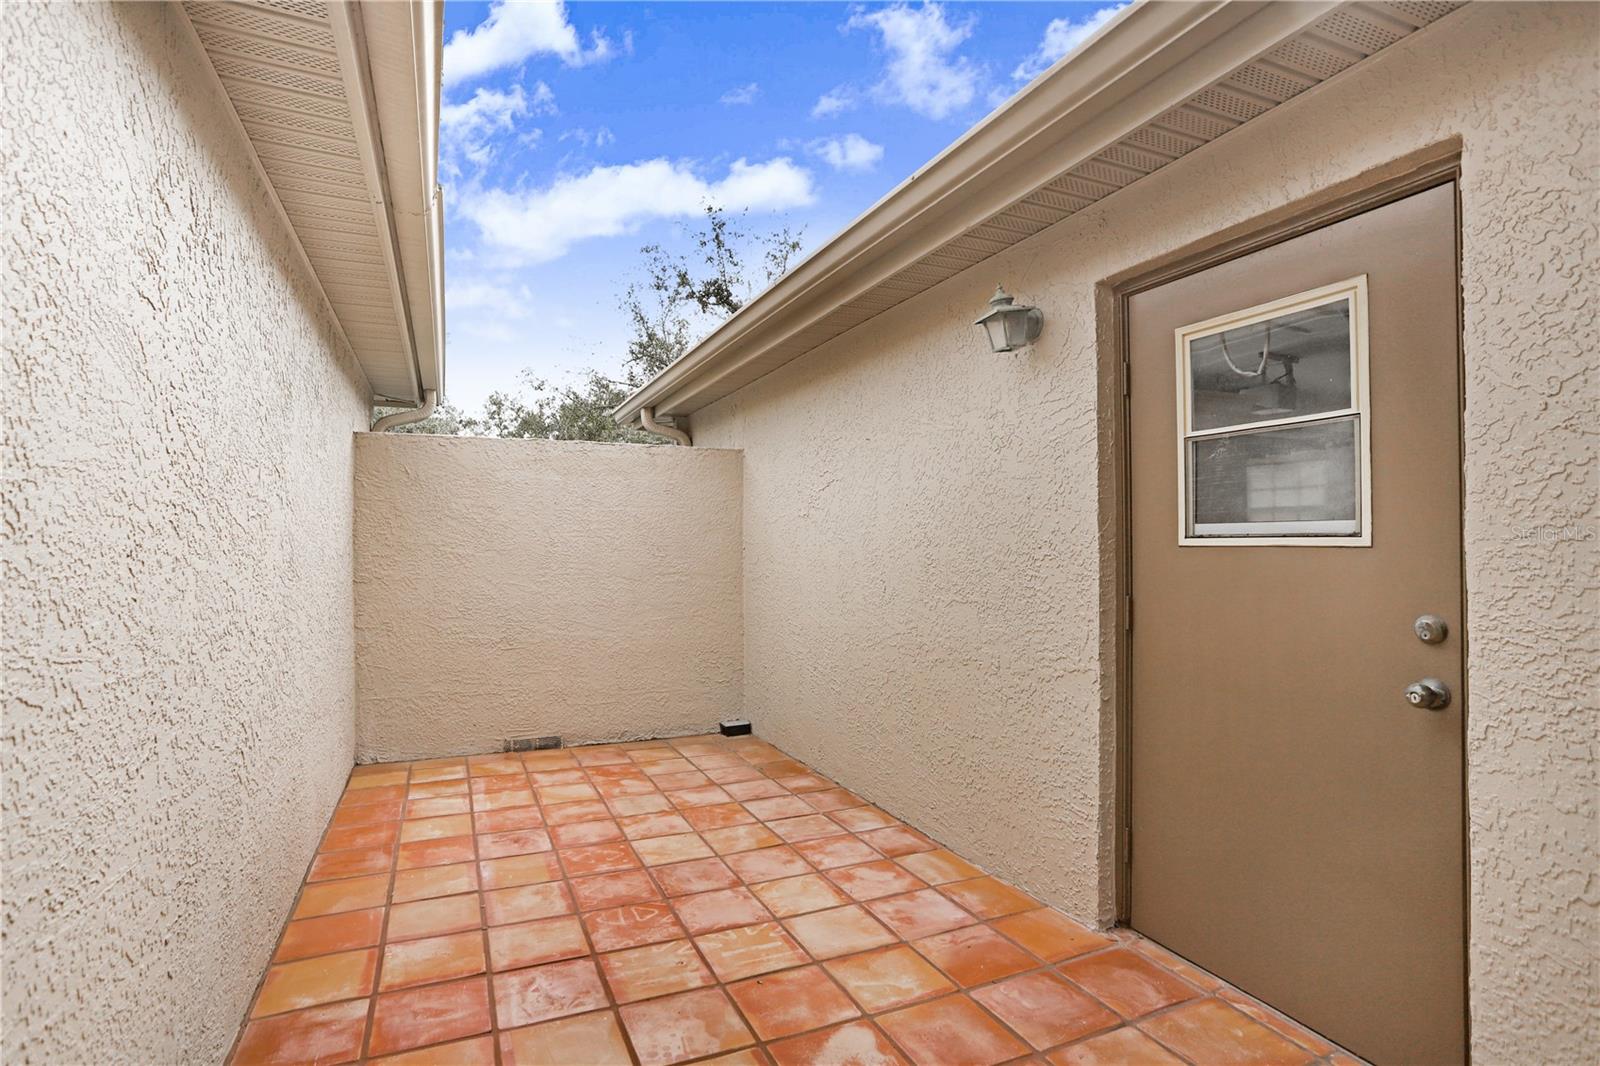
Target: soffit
282	66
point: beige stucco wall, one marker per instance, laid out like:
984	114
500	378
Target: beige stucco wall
923	556
526	587
178	641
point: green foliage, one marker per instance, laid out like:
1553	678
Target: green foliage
539	410
680	299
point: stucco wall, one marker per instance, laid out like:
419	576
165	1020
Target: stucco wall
922	559
178	639
524	587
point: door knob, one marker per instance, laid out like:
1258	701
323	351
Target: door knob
1430	628
1430	694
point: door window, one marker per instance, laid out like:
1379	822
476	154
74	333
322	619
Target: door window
1273	423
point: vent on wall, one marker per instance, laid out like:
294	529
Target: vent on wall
532	743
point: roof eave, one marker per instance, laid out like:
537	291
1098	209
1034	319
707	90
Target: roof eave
390	56
1147	60
403	62
338	107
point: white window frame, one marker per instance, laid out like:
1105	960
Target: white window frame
1355	291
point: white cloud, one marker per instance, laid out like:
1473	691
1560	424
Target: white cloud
1060	37
541	224
514	32
491	109
744	94
923	71
477	294
595	138
834	102
466	129
850	152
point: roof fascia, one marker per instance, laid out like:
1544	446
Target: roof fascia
403	43
1150	59
349	35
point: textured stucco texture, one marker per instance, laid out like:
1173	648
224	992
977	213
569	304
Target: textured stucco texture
178	634
514	588
924	555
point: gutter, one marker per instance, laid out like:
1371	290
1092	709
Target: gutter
350	43
405	418
428	41
1147	60
648	423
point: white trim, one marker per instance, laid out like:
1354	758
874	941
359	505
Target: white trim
430	68
1265	531
1322	534
1272	423
400	42
350	45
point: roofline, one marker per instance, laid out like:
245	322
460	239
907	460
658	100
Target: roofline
1146	60
340	104
410	234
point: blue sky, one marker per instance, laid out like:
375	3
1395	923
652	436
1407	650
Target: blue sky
572	134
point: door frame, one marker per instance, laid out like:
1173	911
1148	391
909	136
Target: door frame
1412	173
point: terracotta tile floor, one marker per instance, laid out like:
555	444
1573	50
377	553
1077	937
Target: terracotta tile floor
701	899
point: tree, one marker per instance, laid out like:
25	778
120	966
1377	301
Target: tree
683	297
567	413
679	299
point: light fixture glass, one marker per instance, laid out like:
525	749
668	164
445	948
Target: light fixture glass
1010	325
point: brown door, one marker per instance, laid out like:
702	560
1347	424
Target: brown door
1296	820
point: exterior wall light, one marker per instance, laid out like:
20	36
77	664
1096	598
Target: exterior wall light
1009	326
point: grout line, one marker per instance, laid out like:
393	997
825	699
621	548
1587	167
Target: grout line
383	929
283	931
583	928
483	911
565	878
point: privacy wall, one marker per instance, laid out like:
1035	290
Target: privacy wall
178	641
512	588
924	555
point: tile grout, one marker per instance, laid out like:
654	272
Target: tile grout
567	876
383	931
